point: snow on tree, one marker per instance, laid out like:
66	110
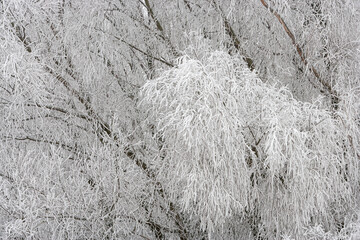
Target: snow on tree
235	146
156	119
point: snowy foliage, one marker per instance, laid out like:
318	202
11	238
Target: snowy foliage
156	119
235	146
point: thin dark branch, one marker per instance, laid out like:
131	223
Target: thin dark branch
9	178
61	110
187	4
235	40
160	28
52	142
145	53
67	217
162	60
300	52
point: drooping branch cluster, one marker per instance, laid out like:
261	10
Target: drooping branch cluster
252	147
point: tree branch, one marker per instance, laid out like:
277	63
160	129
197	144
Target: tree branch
160	28
300	52
145	53
236	42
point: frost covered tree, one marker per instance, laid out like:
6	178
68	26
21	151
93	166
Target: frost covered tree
156	119
236	147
